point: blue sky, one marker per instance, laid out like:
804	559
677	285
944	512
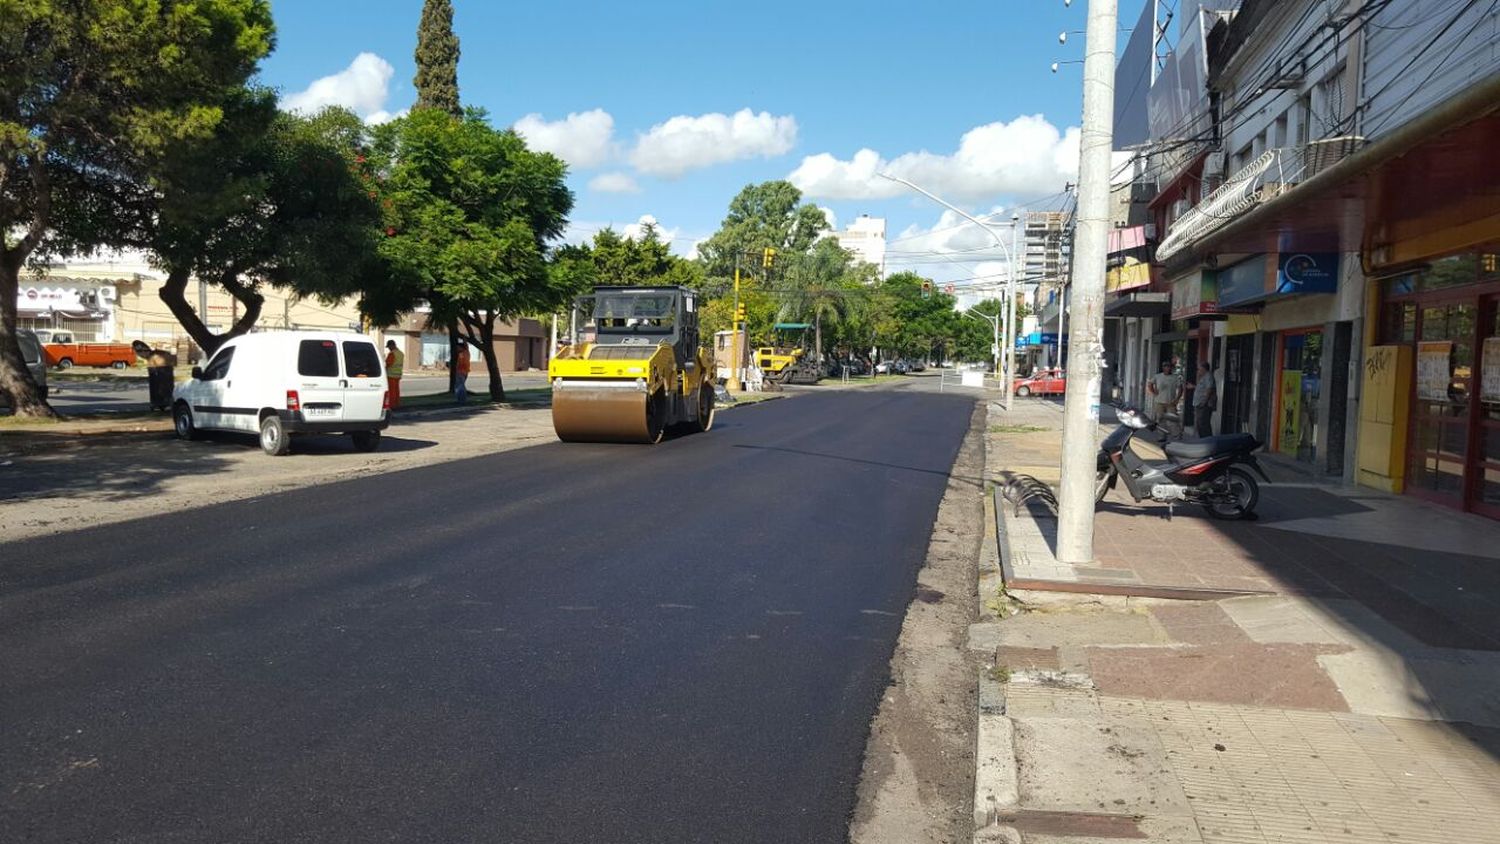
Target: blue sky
820	81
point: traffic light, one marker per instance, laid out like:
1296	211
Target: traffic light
926	290
768	257
739	314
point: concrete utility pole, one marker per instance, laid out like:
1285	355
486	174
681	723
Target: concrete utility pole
1075	518
1010	308
734	385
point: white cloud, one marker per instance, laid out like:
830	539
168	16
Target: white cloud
583	139
1025	157
614	183
637	230
363	87
685	143
833	219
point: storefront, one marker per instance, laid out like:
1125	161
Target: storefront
1448	313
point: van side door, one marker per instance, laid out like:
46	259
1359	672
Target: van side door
320	382
211	394
364	382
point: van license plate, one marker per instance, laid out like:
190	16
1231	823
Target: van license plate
318	411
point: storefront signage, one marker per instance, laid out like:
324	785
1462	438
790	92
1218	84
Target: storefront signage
1130	238
1038	338
1435	370
1307	272
1243	282
1194	295
1131	275
1295	273
1489	386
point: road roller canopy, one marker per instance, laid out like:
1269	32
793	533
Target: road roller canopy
635	315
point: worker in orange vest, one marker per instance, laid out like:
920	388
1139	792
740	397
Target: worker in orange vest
461	373
395	363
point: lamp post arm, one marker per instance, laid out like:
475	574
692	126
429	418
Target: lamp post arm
955	209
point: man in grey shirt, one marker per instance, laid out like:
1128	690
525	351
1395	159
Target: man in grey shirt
1205	396
1165	388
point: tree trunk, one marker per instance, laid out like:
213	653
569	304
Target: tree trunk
15	379
174	295
481	329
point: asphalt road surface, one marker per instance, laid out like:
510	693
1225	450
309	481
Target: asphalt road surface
565	643
114	395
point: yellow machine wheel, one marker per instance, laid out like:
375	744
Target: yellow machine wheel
608	415
705	418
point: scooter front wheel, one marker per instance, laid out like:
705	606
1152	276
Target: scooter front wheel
1101	484
1234	495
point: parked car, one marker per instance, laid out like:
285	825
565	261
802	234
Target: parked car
31	355
1043	382
890	367
282	383
63	351
918	366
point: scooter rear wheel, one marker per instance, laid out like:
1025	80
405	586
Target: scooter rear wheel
1234	496
1101	485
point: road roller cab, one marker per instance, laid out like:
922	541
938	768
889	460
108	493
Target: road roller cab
634	368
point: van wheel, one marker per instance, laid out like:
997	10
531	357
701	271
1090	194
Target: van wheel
274	439
118	364
65	363
182	423
365	440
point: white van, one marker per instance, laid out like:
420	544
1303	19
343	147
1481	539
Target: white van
280	383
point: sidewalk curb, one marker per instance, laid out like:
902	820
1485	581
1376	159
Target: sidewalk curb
996	774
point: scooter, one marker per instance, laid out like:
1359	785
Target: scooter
1208	472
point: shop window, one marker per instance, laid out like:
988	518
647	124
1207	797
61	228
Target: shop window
1398	323
1452	271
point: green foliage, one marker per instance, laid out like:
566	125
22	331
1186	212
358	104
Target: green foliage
92	94
614	259
911	325
437	59
470	214
768	214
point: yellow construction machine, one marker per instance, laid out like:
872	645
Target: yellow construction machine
634	368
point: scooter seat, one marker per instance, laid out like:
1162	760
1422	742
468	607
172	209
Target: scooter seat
1211	445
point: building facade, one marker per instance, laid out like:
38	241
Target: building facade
865	237
1331	224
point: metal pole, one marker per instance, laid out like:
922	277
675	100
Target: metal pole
1010	308
1062	321
1075	521
734	336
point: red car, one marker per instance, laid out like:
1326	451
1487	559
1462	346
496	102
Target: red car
1043	382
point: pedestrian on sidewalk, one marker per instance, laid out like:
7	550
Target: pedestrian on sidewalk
160	364
461	373
1165	388
395	364
1205	396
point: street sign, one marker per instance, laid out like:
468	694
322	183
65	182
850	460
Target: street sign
948	288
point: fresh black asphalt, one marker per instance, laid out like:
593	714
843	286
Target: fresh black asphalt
568	643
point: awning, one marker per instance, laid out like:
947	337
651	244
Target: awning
1407	187
1139	303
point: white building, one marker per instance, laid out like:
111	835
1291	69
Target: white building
865	237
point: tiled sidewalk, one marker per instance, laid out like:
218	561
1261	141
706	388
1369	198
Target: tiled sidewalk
1334	677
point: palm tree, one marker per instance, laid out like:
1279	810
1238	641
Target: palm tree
823	284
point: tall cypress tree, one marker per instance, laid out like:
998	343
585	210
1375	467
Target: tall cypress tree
437	87
437	58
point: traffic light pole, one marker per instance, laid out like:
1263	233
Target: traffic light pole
1080	441
734	335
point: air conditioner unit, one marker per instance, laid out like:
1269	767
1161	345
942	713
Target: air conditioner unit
108	293
1213	166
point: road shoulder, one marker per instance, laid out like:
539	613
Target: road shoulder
917	781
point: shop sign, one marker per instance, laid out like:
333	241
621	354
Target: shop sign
1130	276
1254	280
1435	370
1194	295
1130	238
1243	282
1489	385
1307	272
1038	338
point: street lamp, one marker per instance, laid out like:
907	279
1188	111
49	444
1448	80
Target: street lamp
1010	282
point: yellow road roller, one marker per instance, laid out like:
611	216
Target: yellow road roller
634	368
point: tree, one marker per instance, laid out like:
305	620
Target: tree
770	214
975	336
645	261
470	214
90	91
913	322
437	59
825	284
271	199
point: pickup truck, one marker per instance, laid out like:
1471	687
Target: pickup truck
63	352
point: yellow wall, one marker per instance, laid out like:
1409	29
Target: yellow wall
1384	412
